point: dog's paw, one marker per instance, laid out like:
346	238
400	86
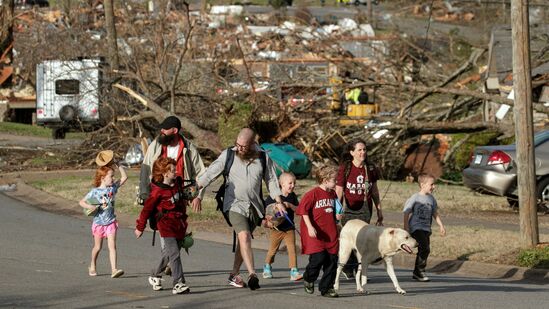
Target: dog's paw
401	292
360	290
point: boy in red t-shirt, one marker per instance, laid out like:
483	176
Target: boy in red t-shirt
320	241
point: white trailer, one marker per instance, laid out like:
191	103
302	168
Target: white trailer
67	94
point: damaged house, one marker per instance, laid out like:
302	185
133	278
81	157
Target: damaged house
498	78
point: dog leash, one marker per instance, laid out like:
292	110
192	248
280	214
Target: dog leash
285	214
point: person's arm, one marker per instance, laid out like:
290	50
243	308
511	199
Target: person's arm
310	228
289	205
439	222
123	175
145	174
199	170
339	193
85	204
211	173
408	209
377	203
141	221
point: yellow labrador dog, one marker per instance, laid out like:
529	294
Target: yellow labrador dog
372	244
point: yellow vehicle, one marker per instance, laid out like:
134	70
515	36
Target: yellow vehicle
353	105
358	114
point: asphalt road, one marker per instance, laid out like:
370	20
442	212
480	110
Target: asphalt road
44	258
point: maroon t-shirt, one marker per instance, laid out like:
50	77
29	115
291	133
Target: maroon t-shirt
355	186
319	206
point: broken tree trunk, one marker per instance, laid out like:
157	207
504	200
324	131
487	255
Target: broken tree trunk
465	67
202	138
420	128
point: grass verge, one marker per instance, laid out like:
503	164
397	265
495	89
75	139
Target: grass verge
30	130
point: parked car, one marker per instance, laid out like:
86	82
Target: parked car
493	170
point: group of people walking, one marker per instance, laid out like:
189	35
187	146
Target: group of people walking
172	159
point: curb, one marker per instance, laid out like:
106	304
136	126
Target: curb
56	204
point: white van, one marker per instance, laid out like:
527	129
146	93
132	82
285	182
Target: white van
67	94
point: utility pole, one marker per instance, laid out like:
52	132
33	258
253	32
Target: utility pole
523	115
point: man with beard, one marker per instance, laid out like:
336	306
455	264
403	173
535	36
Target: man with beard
243	200
171	143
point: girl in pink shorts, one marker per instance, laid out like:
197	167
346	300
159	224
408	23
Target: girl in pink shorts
99	202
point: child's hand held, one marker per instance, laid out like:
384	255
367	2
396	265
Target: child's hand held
312	232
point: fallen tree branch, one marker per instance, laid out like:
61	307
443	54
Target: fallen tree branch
419	128
202	138
290	131
465	67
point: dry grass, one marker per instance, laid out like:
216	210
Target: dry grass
476	244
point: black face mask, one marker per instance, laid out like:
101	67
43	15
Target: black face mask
166	139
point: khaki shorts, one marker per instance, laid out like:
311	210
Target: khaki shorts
242	223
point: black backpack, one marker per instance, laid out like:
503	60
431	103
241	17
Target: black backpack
220	194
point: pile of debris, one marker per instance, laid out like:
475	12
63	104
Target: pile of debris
282	77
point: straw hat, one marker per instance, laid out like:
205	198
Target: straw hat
104	157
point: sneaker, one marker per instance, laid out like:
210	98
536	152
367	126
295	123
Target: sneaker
295	275
117	273
421	277
253	282
236	281
267	271
309	287
330	293
156	283
180	288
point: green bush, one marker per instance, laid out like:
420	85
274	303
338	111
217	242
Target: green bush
534	258
237	116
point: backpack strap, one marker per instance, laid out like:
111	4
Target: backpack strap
228	163
220	196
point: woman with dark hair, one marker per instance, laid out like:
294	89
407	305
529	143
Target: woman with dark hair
356	188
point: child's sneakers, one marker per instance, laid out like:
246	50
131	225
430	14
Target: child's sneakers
295	275
267	271
420	276
309	287
180	288
236	281
156	283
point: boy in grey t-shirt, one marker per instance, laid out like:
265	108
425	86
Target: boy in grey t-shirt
419	210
